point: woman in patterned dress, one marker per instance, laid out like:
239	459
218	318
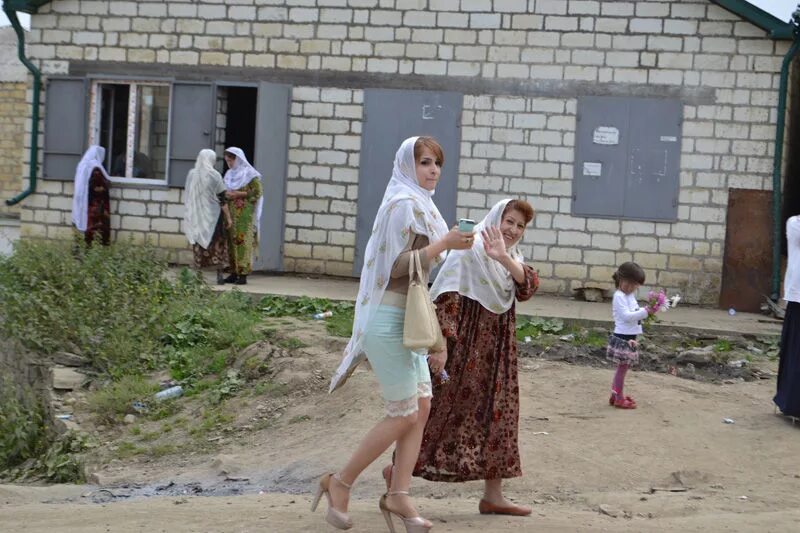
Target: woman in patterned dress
91	203
207	215
245	202
472	430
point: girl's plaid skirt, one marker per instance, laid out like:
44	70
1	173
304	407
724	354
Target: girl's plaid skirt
619	351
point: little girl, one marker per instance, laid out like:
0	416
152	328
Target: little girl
622	346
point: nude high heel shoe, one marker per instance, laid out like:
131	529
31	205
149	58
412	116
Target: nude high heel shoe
336	518
416	524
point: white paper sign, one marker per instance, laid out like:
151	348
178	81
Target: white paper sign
593	169
608	135
668	139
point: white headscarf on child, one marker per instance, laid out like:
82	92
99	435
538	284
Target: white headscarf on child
405	207
472	273
203	185
92	159
239	175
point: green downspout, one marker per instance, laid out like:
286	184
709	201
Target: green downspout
37	86
777	165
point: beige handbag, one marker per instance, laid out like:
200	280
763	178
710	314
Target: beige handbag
421	327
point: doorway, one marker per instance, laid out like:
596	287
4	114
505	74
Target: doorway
255	118
236	121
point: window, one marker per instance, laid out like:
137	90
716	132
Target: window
627	158
131	121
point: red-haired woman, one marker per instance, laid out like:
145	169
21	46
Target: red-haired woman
471	432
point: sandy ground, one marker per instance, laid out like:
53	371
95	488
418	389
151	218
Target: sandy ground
578	454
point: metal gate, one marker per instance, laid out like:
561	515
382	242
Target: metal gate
391	116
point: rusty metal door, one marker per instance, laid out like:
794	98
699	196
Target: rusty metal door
747	266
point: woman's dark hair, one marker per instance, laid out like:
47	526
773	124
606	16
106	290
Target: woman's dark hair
629	271
523	207
431	144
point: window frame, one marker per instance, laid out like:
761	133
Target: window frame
95	114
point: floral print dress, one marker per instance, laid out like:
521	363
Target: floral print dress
98	220
472	430
242	234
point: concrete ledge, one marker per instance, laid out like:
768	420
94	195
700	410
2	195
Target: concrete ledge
591	313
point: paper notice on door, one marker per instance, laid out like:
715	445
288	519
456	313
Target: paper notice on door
607	135
593	169
668	139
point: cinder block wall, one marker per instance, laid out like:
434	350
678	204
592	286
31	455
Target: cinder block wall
723	69
13	112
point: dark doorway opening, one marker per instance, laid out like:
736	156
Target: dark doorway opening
240	123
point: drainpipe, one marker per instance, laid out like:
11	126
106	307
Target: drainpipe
37	86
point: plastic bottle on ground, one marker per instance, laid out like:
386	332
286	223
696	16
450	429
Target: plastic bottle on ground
172	392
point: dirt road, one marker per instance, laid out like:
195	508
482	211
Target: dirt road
670	465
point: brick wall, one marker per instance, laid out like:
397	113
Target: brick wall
532	60
13	112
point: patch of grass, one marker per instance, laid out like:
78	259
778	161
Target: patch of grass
592	338
291	343
341	323
254	368
212	418
164	409
270	389
115	400
723	345
126	450
300	418
136	430
160	450
535	327
166	428
149	436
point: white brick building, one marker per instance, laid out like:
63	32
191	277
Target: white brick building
289	81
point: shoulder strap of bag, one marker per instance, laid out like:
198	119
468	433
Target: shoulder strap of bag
413	263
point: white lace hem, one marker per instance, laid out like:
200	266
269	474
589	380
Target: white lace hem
409	406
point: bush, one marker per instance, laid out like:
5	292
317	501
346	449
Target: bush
23	434
108	303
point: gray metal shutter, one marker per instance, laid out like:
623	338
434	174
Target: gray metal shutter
390	116
271	159
191	127
65	120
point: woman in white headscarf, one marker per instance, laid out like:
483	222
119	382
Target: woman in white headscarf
91	204
206	215
407	220
472	429
245	202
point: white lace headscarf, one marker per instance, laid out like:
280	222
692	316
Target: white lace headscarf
203	185
239	175
472	273
92	159
405	207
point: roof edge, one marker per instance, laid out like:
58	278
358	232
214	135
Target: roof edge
25	6
775	27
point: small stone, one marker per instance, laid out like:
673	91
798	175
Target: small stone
129	419
608	511
67	379
69	359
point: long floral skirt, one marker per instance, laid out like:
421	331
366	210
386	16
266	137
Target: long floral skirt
216	255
